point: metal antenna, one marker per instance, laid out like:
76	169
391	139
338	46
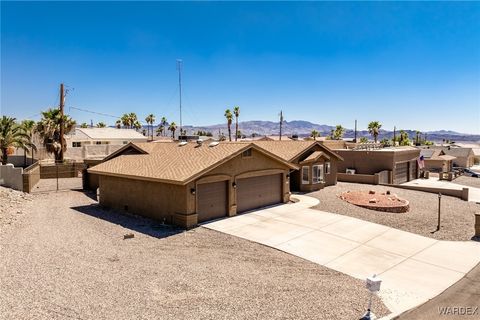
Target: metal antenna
179	68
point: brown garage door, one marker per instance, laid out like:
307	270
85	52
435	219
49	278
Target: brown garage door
413	170
256	192
211	200
401	172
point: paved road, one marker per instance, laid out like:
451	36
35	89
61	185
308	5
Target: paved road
463	295
413	268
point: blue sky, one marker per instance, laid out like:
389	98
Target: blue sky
415	65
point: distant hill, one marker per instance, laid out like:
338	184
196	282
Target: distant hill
303	128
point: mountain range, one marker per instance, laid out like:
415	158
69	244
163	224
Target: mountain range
304	128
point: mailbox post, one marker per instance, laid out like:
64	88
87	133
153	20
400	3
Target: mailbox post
373	285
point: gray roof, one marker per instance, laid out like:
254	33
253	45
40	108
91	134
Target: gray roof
458	152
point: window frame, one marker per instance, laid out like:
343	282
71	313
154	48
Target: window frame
247	153
76	144
318	174
308	175
327	168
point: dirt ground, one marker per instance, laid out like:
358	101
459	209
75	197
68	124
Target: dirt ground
468	181
65	257
457	216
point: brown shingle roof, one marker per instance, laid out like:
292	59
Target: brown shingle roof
315	155
172	163
289	150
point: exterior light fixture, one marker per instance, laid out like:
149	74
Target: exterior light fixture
234	185
193	191
288	175
373	285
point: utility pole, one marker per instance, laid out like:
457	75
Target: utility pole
394	135
281	123
179	68
355	139
62	125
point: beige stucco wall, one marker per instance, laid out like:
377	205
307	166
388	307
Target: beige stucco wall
155	200
11	177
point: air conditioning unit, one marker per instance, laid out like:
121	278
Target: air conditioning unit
350	171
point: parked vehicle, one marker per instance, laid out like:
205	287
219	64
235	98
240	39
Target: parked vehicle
470	173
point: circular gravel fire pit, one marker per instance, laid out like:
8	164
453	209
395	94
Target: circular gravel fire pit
380	201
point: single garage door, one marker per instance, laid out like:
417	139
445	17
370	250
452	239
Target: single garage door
401	172
413	170
256	192
211	200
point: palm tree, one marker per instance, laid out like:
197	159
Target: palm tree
84	125
49	130
160	130
229	116
118	124
163	123
137	125
28	126
101	125
363	140
374	129
150	119
125	119
338	132
236	112
172	127
314	134
12	135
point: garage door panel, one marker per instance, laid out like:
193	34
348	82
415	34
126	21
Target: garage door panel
212	200
260	191
401	172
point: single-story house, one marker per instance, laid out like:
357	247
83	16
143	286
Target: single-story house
187	183
436	160
396	165
464	157
97	136
318	164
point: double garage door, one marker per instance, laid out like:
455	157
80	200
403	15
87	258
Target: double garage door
401	172
254	192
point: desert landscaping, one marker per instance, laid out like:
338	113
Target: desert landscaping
65	257
457	219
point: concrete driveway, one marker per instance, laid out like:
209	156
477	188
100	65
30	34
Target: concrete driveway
473	193
413	268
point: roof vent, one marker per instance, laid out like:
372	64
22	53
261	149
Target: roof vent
213	144
199	142
182	143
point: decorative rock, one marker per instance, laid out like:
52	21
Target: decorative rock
128	236
373	200
371	192
388	191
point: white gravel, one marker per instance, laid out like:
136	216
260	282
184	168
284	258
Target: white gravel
67	259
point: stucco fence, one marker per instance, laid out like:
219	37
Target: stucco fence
383	177
30	177
11	177
63	170
83	152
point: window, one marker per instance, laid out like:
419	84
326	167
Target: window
98	142
327	167
317	173
305	175
247	153
76	144
125	142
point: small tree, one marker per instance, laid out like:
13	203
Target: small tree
12	135
338	132
101	125
363	140
314	134
84	125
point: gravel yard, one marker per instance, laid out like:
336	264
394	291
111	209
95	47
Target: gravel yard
468	181
66	258
457	215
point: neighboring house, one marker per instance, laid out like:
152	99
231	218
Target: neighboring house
396	164
436	160
317	163
98	136
464	155
272	138
89	143
188	183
